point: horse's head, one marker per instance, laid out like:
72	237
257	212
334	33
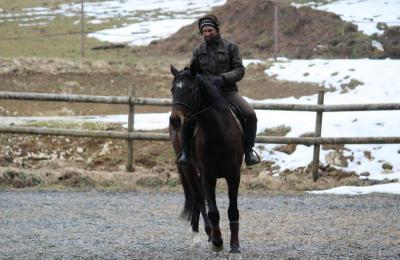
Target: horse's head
183	88
183	91
194	94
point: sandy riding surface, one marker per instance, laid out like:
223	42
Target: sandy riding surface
141	225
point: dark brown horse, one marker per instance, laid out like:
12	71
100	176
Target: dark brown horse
216	152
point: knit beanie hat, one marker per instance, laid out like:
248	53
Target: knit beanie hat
209	20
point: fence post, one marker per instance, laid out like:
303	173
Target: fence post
131	121
276	32
82	31
318	127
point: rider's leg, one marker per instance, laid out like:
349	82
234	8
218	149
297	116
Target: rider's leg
249	126
187	133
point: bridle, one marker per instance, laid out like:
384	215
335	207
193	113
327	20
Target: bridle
190	106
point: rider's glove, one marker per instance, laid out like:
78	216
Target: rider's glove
219	82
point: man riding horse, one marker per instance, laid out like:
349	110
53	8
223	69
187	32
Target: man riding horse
221	59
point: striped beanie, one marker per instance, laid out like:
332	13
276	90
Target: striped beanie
209	20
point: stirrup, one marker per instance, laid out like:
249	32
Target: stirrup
255	160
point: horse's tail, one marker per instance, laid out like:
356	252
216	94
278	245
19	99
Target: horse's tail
194	198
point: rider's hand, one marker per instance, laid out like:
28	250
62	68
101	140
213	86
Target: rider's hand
219	81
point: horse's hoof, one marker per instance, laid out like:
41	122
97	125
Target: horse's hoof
235	256
196	240
217	248
235	251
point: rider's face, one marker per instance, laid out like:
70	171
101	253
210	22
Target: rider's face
208	32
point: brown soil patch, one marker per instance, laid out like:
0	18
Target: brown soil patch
82	163
152	81
303	33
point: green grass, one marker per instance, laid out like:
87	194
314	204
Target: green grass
17	5
58	39
76	125
40	40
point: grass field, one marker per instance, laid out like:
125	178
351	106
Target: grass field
12	5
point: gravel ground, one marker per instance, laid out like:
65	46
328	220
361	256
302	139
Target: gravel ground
143	225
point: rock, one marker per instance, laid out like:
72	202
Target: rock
336	158
149	181
79	159
365	174
71	84
281	130
381	26
377	45
391	42
157	169
89	161
350	28
368	155
66	111
39	157
162	173
106	149
387	166
264	174
79	150
288	148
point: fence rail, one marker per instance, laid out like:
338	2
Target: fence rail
126	100
131	135
165	137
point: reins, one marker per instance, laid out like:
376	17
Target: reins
190	115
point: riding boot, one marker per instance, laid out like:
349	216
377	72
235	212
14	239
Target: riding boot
187	133
250	132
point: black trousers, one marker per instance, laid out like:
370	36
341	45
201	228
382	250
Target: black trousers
250	117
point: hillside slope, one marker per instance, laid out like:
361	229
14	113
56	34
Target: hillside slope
303	33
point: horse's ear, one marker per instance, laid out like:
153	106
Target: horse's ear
174	71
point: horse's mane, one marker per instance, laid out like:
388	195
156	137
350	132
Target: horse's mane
184	74
211	93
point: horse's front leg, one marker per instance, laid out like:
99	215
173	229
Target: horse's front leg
213	214
207	224
233	213
196	239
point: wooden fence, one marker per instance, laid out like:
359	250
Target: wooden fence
131	135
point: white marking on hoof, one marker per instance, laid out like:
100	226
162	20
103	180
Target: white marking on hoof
235	256
196	240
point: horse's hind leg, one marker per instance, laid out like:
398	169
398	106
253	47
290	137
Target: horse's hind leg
213	214
233	213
